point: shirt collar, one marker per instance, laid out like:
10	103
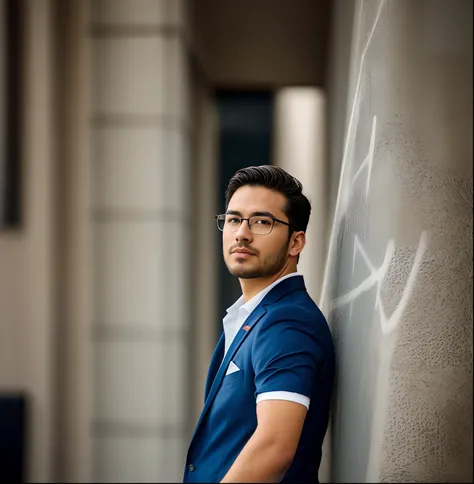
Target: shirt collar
236	306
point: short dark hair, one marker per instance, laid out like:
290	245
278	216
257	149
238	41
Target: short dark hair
297	207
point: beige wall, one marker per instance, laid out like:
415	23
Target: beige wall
140	127
27	264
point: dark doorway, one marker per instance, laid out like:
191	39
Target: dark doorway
245	139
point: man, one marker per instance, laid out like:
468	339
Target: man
269	383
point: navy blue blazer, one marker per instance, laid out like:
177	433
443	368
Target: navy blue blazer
284	345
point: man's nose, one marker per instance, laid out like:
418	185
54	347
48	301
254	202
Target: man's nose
243	232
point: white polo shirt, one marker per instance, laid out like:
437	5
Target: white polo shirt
232	322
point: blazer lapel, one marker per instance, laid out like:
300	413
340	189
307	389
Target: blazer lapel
214	366
238	340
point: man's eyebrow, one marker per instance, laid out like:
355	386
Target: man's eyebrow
262	214
253	214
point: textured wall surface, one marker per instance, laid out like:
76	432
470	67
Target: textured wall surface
398	283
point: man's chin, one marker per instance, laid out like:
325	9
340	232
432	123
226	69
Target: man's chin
243	272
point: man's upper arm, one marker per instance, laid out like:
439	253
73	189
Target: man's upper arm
285	358
280	423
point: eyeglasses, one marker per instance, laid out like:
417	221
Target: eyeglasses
258	224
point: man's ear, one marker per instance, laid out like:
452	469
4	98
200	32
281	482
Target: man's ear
297	243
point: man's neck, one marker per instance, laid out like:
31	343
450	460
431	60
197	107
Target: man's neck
251	287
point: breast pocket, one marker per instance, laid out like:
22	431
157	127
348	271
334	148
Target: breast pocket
233	378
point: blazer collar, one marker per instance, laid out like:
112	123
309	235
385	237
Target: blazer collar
258	298
283	288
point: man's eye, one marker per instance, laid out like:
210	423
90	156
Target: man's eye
233	220
262	221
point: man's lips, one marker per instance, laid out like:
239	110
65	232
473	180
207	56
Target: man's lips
243	251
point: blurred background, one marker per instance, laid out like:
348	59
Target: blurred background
121	122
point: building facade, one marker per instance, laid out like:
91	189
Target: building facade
109	284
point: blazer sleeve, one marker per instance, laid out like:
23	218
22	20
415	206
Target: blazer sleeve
285	358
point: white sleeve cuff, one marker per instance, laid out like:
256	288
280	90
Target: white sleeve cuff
290	396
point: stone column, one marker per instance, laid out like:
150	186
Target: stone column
300	149
141	216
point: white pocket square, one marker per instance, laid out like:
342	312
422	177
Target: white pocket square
232	368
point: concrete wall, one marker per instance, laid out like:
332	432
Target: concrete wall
27	264
398	282
140	212
337	87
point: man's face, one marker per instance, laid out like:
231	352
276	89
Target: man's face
269	253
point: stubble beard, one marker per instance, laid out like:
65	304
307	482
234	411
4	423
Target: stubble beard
271	265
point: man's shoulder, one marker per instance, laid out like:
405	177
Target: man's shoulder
296	309
298	303
294	322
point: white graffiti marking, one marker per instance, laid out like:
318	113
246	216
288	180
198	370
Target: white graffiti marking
343	196
346	188
376	278
368	161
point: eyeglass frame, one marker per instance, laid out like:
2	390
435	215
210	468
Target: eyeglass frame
274	219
